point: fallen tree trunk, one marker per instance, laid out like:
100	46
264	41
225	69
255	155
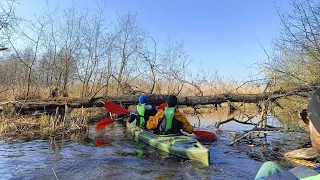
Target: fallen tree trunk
23	107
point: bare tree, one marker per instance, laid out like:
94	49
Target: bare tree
299	46
32	34
128	43
296	58
106	66
174	66
149	61
8	21
92	52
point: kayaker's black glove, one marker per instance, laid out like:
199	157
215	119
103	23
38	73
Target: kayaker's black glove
144	125
132	117
304	116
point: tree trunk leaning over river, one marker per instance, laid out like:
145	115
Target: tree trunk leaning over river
155	99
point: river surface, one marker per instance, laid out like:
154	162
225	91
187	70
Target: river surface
113	154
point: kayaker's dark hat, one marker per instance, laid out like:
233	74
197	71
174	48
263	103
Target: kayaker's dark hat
172	100
314	109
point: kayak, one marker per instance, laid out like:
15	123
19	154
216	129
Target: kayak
177	144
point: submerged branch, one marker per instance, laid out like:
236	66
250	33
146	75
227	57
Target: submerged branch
263	130
218	124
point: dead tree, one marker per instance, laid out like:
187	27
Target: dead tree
156	99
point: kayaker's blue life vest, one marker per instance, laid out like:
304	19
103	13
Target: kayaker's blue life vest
141	108
169	124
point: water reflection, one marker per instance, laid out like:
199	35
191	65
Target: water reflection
139	152
209	120
113	154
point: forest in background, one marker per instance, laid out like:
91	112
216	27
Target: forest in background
79	53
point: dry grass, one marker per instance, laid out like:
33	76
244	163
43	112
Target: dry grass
48	125
45	124
301	162
43	92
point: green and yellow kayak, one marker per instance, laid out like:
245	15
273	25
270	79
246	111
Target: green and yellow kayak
180	145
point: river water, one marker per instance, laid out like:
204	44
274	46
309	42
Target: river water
113	154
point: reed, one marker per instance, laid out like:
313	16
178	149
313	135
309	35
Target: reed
45	124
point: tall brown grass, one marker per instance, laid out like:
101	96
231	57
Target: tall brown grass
44	124
163	87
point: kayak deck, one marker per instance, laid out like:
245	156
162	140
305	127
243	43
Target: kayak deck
177	144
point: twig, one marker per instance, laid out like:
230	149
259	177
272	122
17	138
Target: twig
241	122
263	130
55	174
246	134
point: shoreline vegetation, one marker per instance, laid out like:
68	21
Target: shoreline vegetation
42	125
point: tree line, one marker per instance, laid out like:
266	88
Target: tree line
82	53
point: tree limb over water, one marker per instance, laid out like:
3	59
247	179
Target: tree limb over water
218	124
264	131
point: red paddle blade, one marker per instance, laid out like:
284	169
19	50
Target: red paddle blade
204	135
104	122
115	108
161	106
99	142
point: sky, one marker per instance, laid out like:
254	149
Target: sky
222	35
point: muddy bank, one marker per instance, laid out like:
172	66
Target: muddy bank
288	149
272	146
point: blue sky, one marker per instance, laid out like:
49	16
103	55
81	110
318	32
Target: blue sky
223	35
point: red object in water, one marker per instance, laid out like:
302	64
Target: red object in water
205	135
104	122
99	142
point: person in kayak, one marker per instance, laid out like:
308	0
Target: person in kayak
311	116
272	171
170	120
143	113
